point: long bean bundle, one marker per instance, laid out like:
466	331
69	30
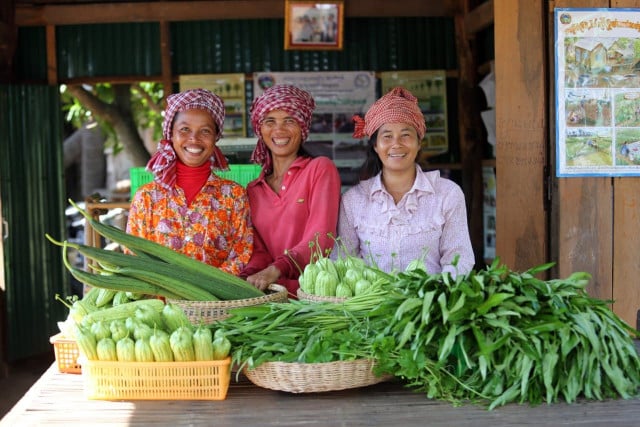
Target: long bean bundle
299	331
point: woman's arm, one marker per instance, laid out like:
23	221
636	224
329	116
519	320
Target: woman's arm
455	238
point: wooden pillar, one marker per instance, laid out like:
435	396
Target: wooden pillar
52	55
165	55
470	138
521	132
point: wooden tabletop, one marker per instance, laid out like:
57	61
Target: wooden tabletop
58	398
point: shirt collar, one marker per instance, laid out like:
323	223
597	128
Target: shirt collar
299	163
424	183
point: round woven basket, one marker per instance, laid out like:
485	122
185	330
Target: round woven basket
315	377
207	312
303	296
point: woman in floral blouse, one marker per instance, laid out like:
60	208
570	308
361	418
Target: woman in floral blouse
188	207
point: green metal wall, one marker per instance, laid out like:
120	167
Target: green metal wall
231	46
32	205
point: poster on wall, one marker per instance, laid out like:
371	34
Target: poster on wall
338	96
597	92
229	87
430	87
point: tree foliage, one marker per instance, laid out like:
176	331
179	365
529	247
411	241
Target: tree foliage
122	110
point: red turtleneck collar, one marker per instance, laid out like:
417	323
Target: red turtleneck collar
192	179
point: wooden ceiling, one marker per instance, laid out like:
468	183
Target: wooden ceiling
69	12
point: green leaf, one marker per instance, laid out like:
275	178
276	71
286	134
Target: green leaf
492	301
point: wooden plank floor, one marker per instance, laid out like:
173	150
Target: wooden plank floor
58	399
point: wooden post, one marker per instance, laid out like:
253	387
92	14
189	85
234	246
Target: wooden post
521	132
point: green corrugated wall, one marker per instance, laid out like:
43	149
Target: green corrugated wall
203	47
32	205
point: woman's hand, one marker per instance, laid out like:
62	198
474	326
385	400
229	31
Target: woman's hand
264	278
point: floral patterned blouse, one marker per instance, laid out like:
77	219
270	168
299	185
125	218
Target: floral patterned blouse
215	228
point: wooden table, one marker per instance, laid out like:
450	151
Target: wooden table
58	398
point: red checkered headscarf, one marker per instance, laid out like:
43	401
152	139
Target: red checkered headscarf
298	103
163	162
397	106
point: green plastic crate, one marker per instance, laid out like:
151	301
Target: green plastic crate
242	174
139	177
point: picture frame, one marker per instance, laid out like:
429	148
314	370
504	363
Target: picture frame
310	25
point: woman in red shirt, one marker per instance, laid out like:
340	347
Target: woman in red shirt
295	200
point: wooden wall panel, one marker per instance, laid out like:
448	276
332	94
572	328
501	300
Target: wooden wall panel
521	138
626	248
626	235
584	231
596	219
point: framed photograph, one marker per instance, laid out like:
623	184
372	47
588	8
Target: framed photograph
312	25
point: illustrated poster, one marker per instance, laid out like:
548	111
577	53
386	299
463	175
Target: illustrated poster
229	87
430	87
597	92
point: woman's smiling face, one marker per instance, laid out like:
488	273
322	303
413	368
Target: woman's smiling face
194	137
281	133
397	146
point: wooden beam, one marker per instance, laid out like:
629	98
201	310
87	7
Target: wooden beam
72	14
479	18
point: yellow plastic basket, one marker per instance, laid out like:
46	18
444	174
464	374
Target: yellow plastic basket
156	380
66	352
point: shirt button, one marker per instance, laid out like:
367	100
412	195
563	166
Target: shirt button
283	187
288	172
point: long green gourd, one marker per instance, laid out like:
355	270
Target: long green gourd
223	285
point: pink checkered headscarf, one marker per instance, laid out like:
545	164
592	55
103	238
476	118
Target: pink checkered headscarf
298	103
397	106
163	163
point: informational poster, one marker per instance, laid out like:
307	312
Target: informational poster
338	96
229	87
430	87
597	54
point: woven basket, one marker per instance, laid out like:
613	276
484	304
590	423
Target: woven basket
207	312
303	296
315	377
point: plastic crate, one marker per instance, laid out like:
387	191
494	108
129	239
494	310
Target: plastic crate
67	353
139	177
242	174
156	380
